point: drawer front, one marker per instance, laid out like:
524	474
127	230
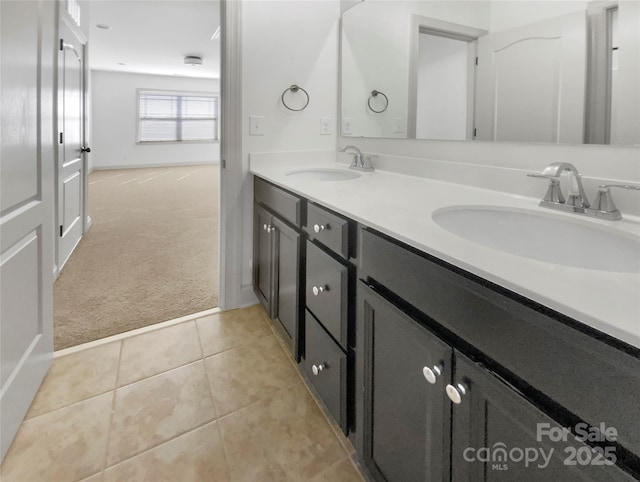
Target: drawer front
329	229
327	291
285	204
591	379
326	368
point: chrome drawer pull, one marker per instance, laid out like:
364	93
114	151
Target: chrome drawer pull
455	393
431	374
317	369
319	227
317	290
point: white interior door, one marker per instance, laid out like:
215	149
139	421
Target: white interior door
26	207
71	172
531	82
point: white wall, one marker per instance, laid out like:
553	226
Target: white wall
284	43
114	126
509	14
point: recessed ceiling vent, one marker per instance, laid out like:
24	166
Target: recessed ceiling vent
193	60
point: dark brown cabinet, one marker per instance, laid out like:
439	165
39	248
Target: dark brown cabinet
277	280
436	374
430	413
471	424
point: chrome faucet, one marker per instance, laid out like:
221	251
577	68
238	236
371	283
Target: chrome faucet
360	161
576	197
577	201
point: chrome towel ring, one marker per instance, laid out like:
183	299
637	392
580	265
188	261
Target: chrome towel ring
375	93
295	88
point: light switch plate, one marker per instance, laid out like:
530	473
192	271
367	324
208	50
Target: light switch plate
326	126
256	125
346	126
398	125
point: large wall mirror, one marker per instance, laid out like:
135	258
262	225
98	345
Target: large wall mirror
517	71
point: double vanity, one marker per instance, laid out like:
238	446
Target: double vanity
454	332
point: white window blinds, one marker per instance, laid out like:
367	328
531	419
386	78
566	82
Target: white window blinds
174	117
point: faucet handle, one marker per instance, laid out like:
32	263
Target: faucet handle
554	193
604	202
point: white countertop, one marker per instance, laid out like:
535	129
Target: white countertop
401	206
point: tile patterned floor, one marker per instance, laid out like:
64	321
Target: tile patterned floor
212	399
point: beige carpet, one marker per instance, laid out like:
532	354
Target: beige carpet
150	256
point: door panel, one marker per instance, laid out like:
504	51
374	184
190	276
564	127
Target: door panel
71	162
533	79
404	418
263	259
288	245
26	207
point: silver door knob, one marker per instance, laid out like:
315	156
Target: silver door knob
317	290
431	374
317	369
319	227
455	393
270	229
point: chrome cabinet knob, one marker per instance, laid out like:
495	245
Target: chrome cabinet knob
431	374
270	229
317	290
264	227
455	393
317	369
319	227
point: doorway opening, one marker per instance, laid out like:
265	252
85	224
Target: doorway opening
151	252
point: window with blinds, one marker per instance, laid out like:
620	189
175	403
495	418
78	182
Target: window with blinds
177	117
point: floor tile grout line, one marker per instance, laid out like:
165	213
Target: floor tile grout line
206	374
113	408
224	448
153	447
202	356
235	347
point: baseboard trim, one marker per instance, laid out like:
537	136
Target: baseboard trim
142	166
138	331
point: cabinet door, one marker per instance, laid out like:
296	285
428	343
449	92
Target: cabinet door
403	418
496	430
263	258
287	280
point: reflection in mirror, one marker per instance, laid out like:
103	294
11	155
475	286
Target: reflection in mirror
526	71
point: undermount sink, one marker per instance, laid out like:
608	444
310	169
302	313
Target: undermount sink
544	237
324	174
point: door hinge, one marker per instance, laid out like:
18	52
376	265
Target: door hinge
61	230
61	138
61	44
475	132
476	60
224	164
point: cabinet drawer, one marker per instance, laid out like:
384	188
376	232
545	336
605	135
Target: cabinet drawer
286	205
327	291
572	370
334	231
326	368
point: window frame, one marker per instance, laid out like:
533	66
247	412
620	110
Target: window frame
183	93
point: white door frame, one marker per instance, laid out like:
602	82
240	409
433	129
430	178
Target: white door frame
232	171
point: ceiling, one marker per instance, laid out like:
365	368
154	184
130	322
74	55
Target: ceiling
154	36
